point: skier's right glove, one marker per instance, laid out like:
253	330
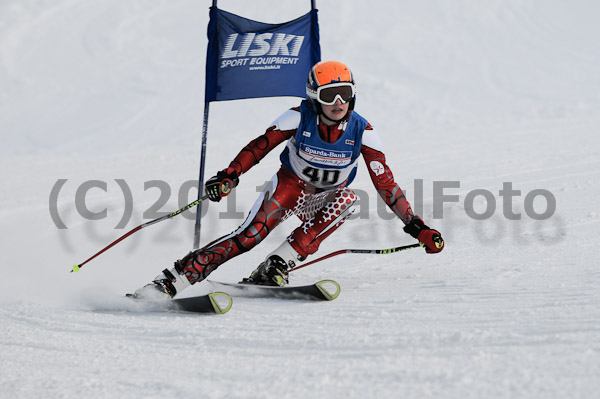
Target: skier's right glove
430	238
220	186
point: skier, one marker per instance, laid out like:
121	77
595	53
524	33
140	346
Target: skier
325	138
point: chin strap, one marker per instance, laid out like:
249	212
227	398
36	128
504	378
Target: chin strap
333	120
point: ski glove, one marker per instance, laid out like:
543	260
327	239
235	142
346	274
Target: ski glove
220	186
430	238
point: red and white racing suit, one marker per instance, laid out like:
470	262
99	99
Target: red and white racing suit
321	211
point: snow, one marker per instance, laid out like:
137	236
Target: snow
467	94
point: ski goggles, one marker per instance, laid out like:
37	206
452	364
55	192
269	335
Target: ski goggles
329	94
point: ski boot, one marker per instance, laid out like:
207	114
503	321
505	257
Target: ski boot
273	271
164	286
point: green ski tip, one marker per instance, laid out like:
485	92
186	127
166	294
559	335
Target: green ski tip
215	297
329	295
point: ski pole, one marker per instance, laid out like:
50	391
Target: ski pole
359	251
76	268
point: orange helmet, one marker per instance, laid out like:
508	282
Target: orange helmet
329	81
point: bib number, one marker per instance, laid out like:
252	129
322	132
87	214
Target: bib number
322	177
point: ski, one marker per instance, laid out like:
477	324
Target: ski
325	290
215	302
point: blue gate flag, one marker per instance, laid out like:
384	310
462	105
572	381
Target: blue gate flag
251	59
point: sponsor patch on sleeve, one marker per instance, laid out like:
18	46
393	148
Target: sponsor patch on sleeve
377	167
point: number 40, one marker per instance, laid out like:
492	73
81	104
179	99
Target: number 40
326	177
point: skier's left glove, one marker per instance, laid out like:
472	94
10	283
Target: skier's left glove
431	239
220	186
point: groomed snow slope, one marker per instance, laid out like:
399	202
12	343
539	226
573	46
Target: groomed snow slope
467	94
